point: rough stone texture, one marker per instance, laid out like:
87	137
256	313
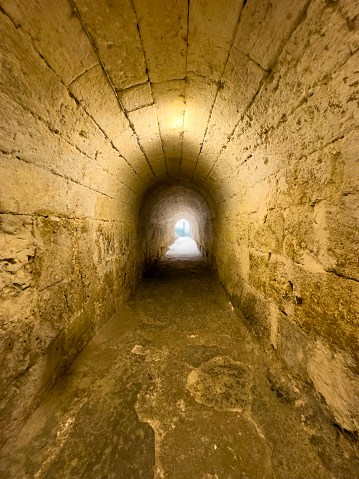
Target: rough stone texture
113	29
288	248
67	239
56	33
210	36
120	117
164	38
175	387
221	383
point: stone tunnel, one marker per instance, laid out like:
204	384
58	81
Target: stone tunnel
120	117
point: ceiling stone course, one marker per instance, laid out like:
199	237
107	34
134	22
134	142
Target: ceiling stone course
212	27
164	37
113	28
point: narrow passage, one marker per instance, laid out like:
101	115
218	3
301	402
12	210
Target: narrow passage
175	387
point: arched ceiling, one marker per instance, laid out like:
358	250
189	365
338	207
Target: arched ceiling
167	204
167	82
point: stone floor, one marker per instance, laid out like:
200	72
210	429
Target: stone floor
175	387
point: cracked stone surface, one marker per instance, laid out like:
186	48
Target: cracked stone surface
221	383
174	386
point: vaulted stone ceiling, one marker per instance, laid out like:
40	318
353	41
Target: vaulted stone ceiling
171	84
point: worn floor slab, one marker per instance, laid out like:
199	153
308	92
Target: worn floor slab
174	387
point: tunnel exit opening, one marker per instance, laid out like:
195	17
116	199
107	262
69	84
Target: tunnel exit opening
182	229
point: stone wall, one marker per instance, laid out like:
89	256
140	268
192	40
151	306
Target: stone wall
68	231
288	235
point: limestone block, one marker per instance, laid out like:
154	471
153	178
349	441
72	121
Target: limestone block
87	258
78	333
113	28
17	294
245	141
172	147
348	179
294	346
56	33
190	151
80	129
158	164
33	140
100	180
268	235
255	199
169	101
221	172
203	167
105	242
326	305
187	168
138	96
332	375
337	234
106	208
264	28
332	110
268	276
18	177
16	327
211	30
126	194
30	139
16	312
81	201
253	177
199	95
53	313
214	141
76	294
300	242
109	160
94	92
16	405
311	179
163	30
26	78
127	144
54	251
329	46
17	251
147	128
134	183
241	81
174	173
256	310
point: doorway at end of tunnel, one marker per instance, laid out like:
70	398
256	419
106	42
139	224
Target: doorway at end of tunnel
182	228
